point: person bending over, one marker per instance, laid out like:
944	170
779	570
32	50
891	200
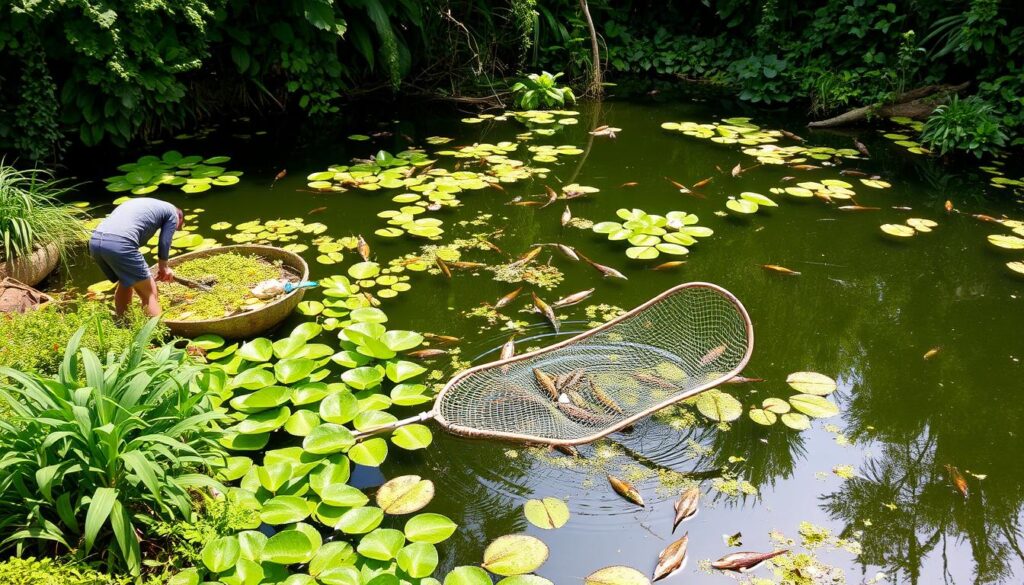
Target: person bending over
115	247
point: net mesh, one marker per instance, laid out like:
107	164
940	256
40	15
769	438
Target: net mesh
686	340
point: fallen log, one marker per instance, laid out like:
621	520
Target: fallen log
917	103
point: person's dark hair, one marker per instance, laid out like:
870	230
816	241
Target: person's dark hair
181	217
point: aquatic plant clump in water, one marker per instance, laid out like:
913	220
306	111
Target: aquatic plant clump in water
231	277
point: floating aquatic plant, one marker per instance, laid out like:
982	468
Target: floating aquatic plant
192	174
651	235
749	202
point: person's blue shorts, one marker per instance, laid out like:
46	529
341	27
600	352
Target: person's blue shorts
118	258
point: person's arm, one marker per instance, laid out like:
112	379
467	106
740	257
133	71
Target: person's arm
167	230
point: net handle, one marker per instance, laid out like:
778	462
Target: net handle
421	417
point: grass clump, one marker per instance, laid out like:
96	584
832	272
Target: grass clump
232	276
31	216
46	571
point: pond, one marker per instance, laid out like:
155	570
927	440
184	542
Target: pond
923	335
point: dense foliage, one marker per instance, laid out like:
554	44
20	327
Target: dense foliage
35	342
121	70
92	458
45	571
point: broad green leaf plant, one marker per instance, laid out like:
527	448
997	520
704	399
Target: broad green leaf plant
94	456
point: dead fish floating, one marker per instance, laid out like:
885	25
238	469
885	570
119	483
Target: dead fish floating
363	248
508	298
566	216
626	490
780	269
744	561
426	353
958	479
572	299
671	560
686	506
546	310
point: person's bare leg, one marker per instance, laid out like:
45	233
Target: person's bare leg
122	298
146	289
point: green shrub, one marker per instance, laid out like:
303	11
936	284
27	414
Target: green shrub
35	341
541	89
31	215
89	465
969	125
31	571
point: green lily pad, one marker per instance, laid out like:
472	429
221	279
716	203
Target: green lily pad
360	520
814	406
418	559
288	547
514	554
616	575
412	437
549	513
405	494
811	383
430	528
370	453
382	544
718	406
328	438
468	575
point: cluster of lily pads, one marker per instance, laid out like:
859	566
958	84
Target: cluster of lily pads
1013	242
383	171
913	226
651	235
192	174
905	140
760	142
749	202
999	179
548	153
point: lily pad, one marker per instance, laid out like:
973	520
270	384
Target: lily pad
796	421
549	513
412	437
616	575
899	230
418	559
430	528
762	417
719	406
813	405
811	383
370	453
468	575
288	547
514	554
382	544
405	494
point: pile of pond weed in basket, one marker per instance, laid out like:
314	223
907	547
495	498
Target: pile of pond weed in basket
231	276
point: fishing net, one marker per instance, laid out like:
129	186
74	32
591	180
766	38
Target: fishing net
687	340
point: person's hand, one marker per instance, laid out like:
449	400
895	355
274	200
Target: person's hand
164	274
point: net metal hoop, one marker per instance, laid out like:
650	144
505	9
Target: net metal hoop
737	357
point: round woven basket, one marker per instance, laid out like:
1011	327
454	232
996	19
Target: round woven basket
252	322
33	268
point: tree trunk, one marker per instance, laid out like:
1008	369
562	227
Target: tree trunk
917	103
595	88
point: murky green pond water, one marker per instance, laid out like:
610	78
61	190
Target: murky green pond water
865	310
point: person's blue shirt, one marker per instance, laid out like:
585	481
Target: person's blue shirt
138	219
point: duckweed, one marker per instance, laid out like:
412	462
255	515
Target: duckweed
232	276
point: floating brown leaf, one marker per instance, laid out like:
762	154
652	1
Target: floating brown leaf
626	490
744	561
671	559
686	506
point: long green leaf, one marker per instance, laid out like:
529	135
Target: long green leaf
103	500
